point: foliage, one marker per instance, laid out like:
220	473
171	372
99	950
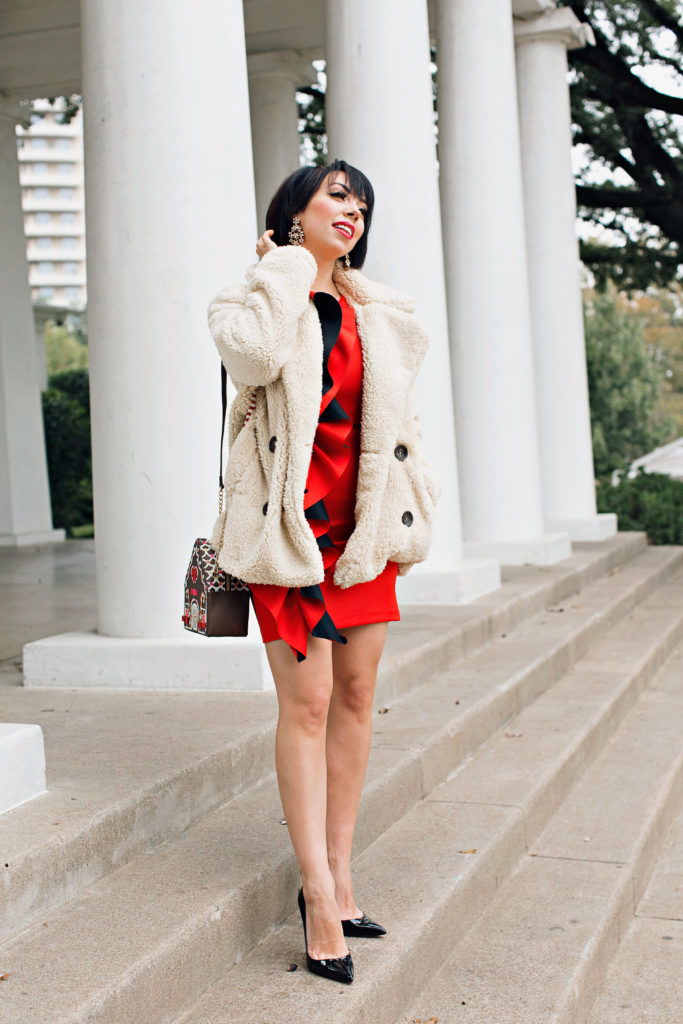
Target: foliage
68	107
624	384
659	313
66	418
64	347
631	132
311	104
652	502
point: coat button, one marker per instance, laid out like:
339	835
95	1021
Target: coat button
272	443
407	518
401	452
265	509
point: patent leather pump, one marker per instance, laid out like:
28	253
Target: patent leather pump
362	928
338	968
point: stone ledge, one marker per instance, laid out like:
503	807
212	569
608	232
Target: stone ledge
22	764
189	662
593	528
23	540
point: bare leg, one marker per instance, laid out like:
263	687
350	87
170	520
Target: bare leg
349	732
303	691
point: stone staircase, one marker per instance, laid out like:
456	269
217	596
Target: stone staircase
525	777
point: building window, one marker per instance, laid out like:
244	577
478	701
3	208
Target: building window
72	293
63	143
46	292
41	193
40	168
66	193
68	217
46	267
43	217
43	243
70	268
64	168
69	243
38	143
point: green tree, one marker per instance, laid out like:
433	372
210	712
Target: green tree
659	311
632	134
68	107
311	103
66	418
652	502
624	384
64	348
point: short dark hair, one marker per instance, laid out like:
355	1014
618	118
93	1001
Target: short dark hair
296	190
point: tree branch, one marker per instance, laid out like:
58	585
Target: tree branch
602	59
664	18
617	198
638	93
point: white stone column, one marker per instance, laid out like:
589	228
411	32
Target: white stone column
380	118
171	219
554	285
487	288
25	511
273	80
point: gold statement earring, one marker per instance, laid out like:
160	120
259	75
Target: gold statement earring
296	233
347	261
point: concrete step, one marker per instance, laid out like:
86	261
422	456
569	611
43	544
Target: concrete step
440	865
540	950
176	919
645	979
129	770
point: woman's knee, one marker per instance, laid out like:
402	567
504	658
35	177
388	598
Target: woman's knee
354	691
307	707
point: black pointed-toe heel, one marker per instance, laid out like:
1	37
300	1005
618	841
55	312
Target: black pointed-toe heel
362	928
338	968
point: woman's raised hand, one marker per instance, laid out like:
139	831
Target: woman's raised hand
265	243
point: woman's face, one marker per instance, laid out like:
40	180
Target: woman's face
333	220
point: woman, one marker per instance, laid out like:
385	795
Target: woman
327	500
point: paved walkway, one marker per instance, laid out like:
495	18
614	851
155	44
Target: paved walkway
44	589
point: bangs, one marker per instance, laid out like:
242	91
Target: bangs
358	183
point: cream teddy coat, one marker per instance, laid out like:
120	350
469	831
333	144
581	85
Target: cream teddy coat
268	335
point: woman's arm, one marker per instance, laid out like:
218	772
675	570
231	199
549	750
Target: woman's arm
254	329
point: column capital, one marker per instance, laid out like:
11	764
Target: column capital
559	25
531	8
292	64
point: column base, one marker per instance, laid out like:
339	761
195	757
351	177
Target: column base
22	764
597	527
94	661
469	579
22	540
546	549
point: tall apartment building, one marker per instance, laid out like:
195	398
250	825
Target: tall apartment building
51	176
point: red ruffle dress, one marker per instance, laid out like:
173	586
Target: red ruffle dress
292	613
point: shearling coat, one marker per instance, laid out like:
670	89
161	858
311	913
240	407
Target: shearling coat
269	337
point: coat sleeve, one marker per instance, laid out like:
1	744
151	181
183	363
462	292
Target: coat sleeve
254	327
